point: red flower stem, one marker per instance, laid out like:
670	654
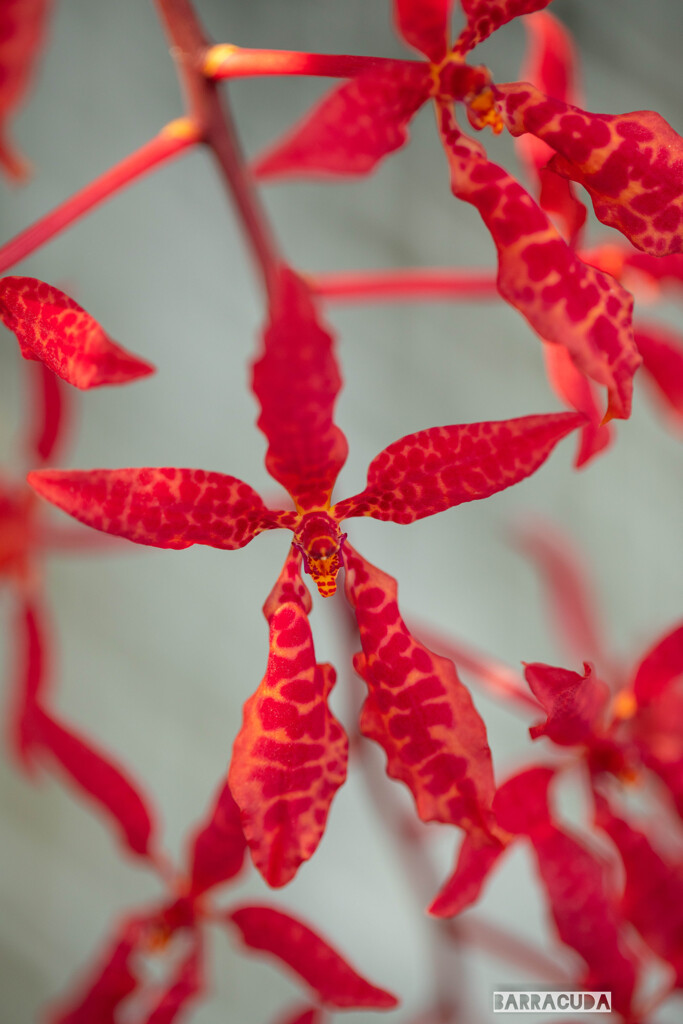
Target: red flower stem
172	140
496	941
227	61
406	285
208	111
494	676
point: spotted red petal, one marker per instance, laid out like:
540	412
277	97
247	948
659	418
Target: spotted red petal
22	30
353	127
425	24
31	681
185	985
486	16
53	328
297	381
290	755
48	414
435	469
653	894
580	891
567	589
575	390
99	778
478	856
566	302
630	164
661	666
574	703
317	963
112	981
164	507
417	709
662	352
551	65
218	848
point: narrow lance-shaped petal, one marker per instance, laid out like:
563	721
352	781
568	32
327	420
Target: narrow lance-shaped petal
662	351
353	127
31	681
49	413
576	391
424	24
435	469
164	507
477	857
22	30
486	16
217	848
661	666
417	709
185	985
630	164
97	777
317	963
53	328
297	381
575	704
289	758
565	301
550	64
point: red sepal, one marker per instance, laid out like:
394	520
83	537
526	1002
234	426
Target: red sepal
435	469
353	127
22	29
53	328
630	164
164	507
31	680
289	757
48	401
566	302
574	704
660	667
417	709
576	391
112	981
217	848
486	16
97	777
312	1015
477	857
317	963
424	24
662	352
185	985
297	381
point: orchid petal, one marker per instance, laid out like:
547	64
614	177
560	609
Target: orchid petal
630	164
53	328
186	984
661	666
424	24
289	758
570	385
354	127
566	302
22	30
297	381
574	704
218	848
317	963
32	679
486	16
99	778
417	709
435	469
478	856
48	414
164	507
311	1015
662	352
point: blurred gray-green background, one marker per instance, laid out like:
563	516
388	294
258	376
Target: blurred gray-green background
155	652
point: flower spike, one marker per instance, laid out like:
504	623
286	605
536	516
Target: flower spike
53	328
297	381
417	709
22	29
630	164
290	755
565	301
164	507
435	469
334	981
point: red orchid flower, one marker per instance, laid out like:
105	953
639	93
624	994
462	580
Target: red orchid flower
539	274
22	29
290	756
118	988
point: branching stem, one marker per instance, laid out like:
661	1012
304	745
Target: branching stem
226	61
